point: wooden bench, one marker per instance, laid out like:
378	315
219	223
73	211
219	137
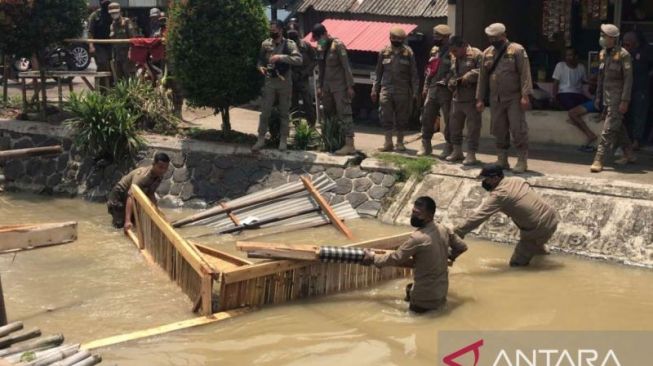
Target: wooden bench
58	76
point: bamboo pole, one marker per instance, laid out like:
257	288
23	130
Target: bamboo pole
10	328
32	151
3	311
93	360
15	338
71	360
41	343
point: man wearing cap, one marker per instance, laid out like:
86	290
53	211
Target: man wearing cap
466	61
335	84
507	72
99	27
613	93
121	28
436	93
301	89
155	23
536	220
397	83
276	57
429	250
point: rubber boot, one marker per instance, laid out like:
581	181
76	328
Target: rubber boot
502	159
260	143
400	142
427	149
387	146
628	157
522	162
456	155
348	149
597	165
470	158
448	149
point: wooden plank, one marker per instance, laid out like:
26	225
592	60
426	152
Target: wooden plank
36	235
230	213
267	250
146	333
32	151
388	242
260	269
335	220
220	254
189	252
207	294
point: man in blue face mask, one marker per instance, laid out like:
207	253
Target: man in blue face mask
536	220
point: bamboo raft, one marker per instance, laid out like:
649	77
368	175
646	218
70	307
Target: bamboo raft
217	281
27	349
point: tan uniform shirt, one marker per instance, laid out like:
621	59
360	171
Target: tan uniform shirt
443	74
465	75
335	71
615	80
292	56
515	198
142	177
122	28
511	78
396	71
428	250
305	71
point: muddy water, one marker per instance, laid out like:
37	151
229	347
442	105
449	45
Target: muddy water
99	286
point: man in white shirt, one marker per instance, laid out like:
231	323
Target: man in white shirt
568	79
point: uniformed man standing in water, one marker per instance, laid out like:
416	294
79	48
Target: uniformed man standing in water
536	220
428	251
120	202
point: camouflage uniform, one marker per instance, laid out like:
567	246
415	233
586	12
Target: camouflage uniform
438	98
122	28
335	78
300	81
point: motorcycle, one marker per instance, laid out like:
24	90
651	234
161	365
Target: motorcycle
75	58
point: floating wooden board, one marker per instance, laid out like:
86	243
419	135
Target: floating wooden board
19	237
185	324
326	208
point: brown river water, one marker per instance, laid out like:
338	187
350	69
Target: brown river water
99	286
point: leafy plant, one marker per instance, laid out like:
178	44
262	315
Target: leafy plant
408	166
151	104
305	135
104	127
331	134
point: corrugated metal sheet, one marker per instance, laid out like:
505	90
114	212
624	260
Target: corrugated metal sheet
361	36
400	8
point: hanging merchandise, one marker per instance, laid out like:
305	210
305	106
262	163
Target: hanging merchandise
556	18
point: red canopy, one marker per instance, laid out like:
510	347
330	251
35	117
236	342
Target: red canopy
360	35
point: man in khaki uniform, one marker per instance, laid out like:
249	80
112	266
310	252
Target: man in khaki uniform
397	83
613	92
121	28
276	57
466	62
99	27
120	202
430	250
507	71
335	84
436	93
301	87
536	220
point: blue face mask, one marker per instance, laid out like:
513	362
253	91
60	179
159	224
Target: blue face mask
322	42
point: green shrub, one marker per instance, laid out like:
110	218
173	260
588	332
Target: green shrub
305	135
151	104
104	127
408	166
331	134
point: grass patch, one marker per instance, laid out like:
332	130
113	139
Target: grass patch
408	166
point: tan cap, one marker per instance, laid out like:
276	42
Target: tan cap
442	29
397	32
114	7
495	29
610	30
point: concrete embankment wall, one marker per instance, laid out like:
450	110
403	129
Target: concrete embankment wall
603	219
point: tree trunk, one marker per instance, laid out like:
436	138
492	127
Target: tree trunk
5	77
3	311
226	121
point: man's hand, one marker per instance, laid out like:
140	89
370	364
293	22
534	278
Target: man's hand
623	107
262	70
275	58
368	259
480	106
525	103
128	226
374	96
351	93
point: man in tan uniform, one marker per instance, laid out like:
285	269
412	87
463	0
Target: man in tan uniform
466	61
301	87
536	220
276	57
436	93
397	83
120	202
507	71
430	250
613	92
121	28
335	84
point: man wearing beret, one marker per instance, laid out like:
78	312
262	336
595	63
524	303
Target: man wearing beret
436	93
506	74
536	220
613	93
397	84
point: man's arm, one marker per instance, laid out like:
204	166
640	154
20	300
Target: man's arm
481	87
344	60
524	69
414	76
400	256
491	206
129	207
376	88
294	58
471	76
628	78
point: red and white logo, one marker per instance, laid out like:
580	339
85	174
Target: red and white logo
449	360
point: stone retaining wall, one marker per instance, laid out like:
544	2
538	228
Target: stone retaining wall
200	173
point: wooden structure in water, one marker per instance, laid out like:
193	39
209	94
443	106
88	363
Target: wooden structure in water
217	281
30	236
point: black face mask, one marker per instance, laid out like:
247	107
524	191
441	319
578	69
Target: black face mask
417	222
396	43
487	186
497	44
274	35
